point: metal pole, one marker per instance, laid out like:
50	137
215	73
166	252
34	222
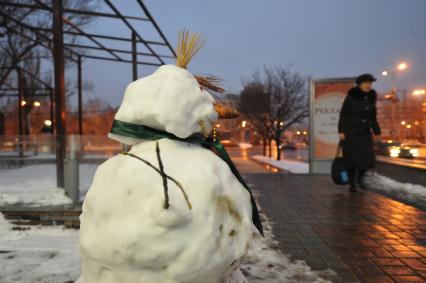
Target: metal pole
80	103
58	55
20	96
51	108
134	57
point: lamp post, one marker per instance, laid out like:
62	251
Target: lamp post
393	95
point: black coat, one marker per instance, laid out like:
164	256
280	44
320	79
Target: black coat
358	119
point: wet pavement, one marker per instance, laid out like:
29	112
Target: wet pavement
363	236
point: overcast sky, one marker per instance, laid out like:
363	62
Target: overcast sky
319	38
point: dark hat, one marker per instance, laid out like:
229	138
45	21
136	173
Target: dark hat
365	78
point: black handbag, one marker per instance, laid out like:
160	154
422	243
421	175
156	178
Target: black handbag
339	168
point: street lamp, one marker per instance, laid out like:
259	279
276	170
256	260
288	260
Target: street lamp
392	96
400	67
36	103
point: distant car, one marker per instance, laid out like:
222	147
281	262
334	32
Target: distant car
410	150
396	149
387	148
290	146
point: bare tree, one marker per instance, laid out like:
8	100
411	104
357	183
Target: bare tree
17	42
274	100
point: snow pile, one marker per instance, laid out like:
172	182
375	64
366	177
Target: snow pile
42	254
170	99
410	192
127	236
286	165
35	185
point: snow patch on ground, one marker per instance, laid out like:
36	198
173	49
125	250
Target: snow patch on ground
50	255
287	165
405	191
41	254
35	185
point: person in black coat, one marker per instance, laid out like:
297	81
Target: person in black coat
357	124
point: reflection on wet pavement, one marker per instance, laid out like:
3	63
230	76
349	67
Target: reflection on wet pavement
362	236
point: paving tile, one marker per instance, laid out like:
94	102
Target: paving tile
398	270
414	264
363	237
408	279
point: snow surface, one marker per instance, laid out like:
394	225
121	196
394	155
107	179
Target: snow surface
405	191
170	99
287	165
50	255
35	185
42	254
127	236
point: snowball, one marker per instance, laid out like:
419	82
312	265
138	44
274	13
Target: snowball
170	99
126	235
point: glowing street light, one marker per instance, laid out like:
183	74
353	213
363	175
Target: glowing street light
402	66
47	123
408	126
298	132
243	124
403	123
419	92
385	73
36	104
23	103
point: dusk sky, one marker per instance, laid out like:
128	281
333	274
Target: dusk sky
318	38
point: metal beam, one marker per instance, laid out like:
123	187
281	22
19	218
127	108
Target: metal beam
133	30
154	23
122	60
34	30
74	26
60	125
134	58
80	98
73	11
115	50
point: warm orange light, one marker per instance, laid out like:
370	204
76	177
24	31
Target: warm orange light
402	66
48	122
243	124
305	133
403	123
217	125
298	132
36	103
23	103
419	92
408	126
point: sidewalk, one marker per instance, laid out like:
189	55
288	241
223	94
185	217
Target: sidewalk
364	237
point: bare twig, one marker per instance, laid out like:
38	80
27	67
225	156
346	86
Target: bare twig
163	175
188	203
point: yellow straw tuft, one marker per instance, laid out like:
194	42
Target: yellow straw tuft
188	46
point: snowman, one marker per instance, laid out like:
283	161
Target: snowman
173	209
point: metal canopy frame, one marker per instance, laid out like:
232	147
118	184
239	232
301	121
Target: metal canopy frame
72	51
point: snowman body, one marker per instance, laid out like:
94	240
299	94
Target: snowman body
127	235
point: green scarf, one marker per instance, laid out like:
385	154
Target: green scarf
147	133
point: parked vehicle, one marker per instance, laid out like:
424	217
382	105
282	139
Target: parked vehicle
408	149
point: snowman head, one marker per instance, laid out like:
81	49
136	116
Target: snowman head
171	99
